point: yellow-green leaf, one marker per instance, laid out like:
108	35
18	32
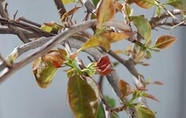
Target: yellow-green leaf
143	112
105	11
82	98
43	72
46	28
68	1
164	41
96	41
143	26
145	3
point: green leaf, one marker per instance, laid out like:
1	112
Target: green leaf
143	112
95	2
111	103
143	26
82	98
43	72
180	4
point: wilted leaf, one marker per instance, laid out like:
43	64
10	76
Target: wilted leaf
143	112
105	11
143	26
96	41
144	3
164	41
68	13
114	36
82	97
43	72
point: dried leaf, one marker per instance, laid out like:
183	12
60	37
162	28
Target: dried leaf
144	3
164	41
123	88
68	13
43	72
157	83
82	98
105	11
114	36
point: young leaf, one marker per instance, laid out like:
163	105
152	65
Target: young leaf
164	41
143	26
43	72
145	3
105	11
103	66
143	112
82	98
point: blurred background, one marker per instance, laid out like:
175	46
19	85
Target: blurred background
20	96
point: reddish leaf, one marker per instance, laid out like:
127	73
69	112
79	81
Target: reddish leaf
150	96
165	41
82	98
105	11
43	72
103	66
54	57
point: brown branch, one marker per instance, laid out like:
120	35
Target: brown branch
60	7
25	26
27	34
157	19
